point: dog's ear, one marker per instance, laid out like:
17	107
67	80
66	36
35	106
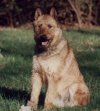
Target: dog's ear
53	12
38	13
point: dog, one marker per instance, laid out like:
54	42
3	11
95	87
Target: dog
55	65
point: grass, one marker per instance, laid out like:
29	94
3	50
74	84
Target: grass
16	51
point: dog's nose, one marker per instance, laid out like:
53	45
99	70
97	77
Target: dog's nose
43	37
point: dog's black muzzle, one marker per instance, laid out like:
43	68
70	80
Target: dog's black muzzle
42	38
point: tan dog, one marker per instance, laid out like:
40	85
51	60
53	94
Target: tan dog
55	65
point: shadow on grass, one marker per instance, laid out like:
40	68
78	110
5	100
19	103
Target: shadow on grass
89	62
17	48
86	32
89	32
15	70
17	42
92	70
8	93
22	51
20	95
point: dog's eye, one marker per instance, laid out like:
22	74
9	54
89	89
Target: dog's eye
40	25
50	26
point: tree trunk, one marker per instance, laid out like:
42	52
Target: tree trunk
90	13
76	9
10	19
96	13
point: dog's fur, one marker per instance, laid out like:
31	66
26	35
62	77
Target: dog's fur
55	65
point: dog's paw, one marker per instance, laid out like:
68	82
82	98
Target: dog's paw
48	106
32	104
25	108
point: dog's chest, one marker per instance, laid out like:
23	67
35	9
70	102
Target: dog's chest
51	65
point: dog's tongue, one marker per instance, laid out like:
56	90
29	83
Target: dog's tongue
44	43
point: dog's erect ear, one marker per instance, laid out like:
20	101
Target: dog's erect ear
53	12
38	13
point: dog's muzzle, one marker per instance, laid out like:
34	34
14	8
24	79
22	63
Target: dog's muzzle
43	39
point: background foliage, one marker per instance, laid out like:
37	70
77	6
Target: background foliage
70	12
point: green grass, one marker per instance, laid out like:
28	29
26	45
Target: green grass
16	51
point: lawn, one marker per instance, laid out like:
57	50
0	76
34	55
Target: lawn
16	51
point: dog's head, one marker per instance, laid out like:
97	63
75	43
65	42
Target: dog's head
46	29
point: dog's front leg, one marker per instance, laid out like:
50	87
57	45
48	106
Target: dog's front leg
50	95
36	88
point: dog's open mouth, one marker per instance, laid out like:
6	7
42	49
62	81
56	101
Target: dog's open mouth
45	43
43	40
